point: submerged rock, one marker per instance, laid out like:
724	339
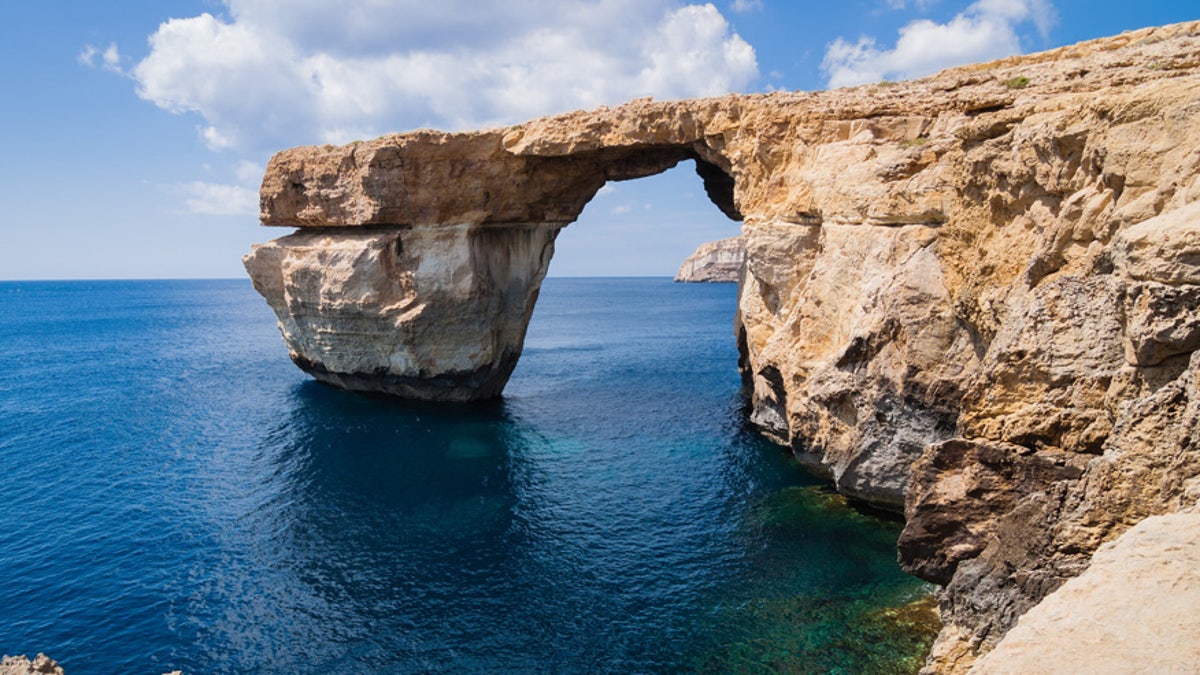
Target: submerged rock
717	261
973	301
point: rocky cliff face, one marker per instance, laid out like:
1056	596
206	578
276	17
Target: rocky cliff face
974	297
715	262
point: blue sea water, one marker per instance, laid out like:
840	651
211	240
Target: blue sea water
177	495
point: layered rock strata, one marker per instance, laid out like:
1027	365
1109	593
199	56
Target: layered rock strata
715	262
435	313
973	297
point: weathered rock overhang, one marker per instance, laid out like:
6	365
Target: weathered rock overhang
428	178
973	297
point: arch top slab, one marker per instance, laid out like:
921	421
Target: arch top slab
433	178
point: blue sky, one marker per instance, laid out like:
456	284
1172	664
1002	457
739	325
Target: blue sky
135	132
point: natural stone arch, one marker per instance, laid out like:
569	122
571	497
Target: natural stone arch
427	291
971	299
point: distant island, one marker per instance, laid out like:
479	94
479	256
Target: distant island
717	261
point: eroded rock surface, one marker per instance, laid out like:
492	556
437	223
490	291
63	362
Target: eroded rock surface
973	297
435	313
21	665
715	262
1141	593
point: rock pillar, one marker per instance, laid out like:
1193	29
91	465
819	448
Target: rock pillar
435	312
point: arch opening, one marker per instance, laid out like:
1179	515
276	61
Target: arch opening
624	164
649	215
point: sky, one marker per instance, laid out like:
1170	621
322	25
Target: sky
136	132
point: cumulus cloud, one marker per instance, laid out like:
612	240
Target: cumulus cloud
273	73
109	59
986	30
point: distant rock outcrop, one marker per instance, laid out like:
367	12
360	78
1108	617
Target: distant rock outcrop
41	665
973	297
717	261
21	665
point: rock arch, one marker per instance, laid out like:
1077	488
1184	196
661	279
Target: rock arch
419	256
972	296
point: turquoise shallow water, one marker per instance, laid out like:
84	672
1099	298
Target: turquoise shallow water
179	496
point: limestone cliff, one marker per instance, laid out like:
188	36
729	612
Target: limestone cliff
715	262
973	297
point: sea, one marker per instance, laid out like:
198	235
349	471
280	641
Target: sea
178	496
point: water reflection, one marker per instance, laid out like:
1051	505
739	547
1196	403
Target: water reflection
370	530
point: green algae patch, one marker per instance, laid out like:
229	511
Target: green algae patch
812	635
878	620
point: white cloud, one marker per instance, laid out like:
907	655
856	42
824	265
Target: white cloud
986	30
110	58
746	5
1040	12
249	173
218	200
275	73
691	55
903	4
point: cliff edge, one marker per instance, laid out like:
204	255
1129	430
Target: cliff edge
973	297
